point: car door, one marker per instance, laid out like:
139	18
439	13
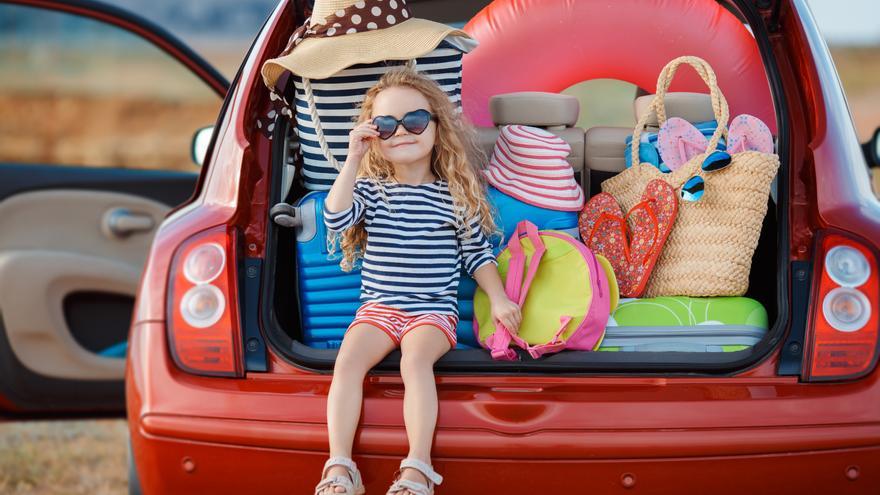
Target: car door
97	113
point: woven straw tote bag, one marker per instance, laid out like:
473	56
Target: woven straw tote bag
709	251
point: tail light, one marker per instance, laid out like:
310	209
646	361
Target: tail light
843	333
203	321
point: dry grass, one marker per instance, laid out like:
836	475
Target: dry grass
135	111
101	131
63	457
859	70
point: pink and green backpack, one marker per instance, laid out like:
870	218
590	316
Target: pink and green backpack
566	294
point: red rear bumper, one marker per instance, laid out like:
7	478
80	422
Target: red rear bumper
265	435
179	466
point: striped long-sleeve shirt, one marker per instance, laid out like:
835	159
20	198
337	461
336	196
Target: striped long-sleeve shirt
416	247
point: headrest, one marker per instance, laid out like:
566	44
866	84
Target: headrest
534	108
693	107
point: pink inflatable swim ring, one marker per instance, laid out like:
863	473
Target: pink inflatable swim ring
550	45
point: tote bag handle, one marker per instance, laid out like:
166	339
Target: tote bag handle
657	106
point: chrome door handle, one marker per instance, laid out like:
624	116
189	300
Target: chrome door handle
122	222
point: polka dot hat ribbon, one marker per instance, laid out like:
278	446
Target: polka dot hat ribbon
361	16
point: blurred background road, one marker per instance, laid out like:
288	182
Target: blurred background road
135	88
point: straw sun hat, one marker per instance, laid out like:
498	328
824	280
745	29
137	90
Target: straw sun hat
342	33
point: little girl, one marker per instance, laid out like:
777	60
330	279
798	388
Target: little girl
410	203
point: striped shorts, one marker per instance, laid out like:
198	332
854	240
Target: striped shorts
396	323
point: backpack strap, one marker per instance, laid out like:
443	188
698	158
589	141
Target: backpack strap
557	344
499	344
520	296
516	288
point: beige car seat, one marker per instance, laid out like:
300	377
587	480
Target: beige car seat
553	112
604	146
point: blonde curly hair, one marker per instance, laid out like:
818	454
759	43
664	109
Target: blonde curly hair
456	158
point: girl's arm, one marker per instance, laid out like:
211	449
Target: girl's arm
479	262
340	197
342	208
502	307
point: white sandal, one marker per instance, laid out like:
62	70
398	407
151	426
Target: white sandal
352	484
401	485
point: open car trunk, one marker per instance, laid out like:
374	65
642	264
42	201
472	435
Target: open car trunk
769	284
282	318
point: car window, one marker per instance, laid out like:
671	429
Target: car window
76	91
854	42
853	37
219	30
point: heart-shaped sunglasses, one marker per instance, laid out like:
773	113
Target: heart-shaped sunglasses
415	122
693	188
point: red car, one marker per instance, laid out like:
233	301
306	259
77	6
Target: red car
238	404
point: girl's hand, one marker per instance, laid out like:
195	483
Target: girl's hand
359	140
507	312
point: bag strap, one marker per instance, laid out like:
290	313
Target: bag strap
517	290
319	129
556	344
516	286
657	106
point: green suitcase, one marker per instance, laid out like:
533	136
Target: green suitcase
685	324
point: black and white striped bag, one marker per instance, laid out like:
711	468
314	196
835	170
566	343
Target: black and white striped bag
325	109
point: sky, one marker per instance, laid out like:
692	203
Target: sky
848	22
841	21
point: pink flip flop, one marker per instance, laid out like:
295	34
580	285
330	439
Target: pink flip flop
679	141
749	133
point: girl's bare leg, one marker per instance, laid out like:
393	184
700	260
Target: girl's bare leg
362	348
421	348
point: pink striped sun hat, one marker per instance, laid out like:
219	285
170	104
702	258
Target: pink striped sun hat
530	164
